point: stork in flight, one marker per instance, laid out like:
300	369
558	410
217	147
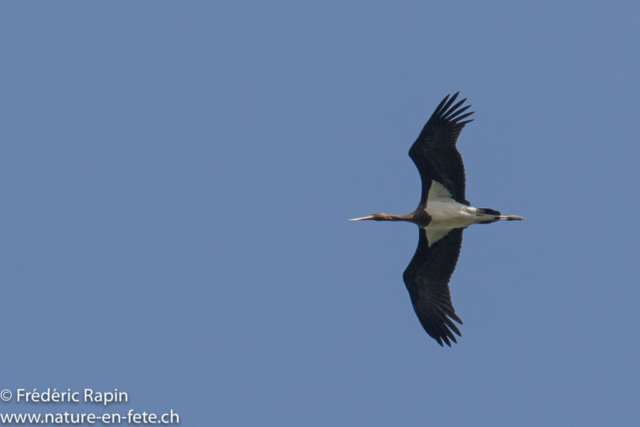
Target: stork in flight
442	215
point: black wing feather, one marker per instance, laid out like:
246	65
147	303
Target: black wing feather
435	153
427	279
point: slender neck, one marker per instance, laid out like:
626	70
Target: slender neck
406	217
390	217
419	217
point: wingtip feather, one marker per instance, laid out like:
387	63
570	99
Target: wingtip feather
439	107
451	101
453	111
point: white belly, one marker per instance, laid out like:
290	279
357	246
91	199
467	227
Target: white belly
447	213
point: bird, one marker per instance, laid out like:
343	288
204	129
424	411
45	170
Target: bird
441	216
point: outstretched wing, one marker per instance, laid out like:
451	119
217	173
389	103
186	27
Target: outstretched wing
435	153
427	279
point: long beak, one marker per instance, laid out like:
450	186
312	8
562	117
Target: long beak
362	219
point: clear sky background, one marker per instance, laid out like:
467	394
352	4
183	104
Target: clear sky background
176	179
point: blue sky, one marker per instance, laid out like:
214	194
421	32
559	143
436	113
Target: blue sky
176	180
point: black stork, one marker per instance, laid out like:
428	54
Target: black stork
442	215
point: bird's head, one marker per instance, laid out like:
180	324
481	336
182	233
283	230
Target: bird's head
377	216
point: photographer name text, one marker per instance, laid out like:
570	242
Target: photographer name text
86	396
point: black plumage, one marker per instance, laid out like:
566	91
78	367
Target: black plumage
435	153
